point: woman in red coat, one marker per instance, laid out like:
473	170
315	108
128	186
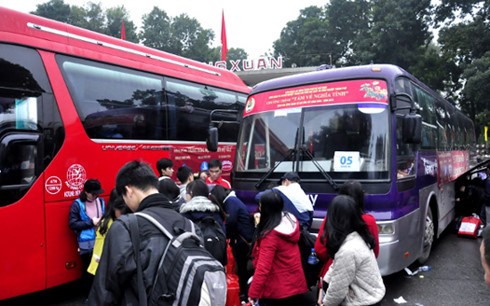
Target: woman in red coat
278	277
353	189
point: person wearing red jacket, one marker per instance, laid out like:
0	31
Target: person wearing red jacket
353	189
278	277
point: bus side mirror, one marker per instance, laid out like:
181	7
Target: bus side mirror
412	128
212	141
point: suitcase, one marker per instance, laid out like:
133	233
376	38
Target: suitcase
233	287
233	290
469	226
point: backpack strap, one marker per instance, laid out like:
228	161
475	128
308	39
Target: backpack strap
135	239
175	240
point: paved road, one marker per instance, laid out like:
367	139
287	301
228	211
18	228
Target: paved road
456	278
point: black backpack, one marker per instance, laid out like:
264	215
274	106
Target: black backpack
187	274
306	243
214	238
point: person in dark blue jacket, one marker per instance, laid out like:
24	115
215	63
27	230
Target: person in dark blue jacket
239	229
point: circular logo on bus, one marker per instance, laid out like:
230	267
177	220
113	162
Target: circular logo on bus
53	185
250	105
76	177
227	166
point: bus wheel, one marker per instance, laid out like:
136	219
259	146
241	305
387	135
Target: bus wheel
428	237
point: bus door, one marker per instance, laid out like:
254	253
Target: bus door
29	139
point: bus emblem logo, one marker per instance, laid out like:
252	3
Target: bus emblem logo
76	177
53	185
250	105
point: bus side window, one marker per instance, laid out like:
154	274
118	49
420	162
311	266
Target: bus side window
17	166
405	156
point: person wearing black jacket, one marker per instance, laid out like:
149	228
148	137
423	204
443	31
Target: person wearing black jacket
239	229
115	282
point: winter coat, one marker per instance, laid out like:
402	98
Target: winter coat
354	277
199	207
321	248
239	222
115	282
277	261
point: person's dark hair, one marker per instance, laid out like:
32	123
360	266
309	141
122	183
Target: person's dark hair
92	186
486	244
213	163
183	174
271	206
137	174
218	195
354	189
343	218
163	164
197	188
115	202
169	189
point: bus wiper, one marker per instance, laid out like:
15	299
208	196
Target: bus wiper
268	174
325	174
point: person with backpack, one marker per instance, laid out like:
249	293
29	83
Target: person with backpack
278	278
239	229
208	216
143	255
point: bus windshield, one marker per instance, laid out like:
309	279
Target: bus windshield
348	141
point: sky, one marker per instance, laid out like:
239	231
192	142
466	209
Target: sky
252	25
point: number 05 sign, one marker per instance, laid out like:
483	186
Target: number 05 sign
346	161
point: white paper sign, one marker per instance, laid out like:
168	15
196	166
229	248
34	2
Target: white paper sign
346	161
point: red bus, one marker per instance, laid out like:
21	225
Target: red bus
74	105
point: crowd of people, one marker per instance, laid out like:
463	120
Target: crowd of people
264	243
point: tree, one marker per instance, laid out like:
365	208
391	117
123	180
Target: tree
189	39
304	41
90	17
476	93
156	30
54	9
400	33
115	17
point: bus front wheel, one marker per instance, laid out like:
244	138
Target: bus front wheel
428	237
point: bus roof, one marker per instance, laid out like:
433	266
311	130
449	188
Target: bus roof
46	34
384	71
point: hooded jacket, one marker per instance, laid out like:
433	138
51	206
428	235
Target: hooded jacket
115	282
277	261
199	207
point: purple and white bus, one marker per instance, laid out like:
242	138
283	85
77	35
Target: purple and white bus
376	124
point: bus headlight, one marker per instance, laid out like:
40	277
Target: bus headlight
386	229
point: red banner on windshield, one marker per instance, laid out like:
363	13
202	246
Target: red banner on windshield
355	91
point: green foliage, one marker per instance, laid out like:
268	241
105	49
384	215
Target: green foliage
90	16
156	33
54	9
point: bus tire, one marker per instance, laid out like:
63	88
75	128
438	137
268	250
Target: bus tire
428	237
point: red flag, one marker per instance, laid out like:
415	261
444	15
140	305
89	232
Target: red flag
123	31
224	45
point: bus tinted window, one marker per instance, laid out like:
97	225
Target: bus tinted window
27	110
119	103
192	104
